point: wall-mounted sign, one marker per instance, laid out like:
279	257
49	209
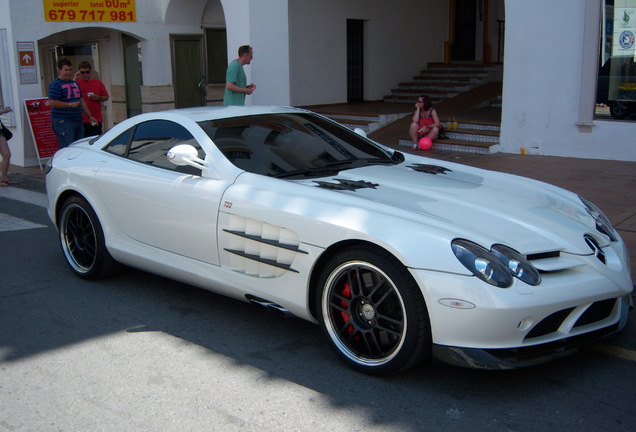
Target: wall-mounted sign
624	27
90	10
26	58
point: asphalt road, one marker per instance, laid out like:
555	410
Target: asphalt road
138	352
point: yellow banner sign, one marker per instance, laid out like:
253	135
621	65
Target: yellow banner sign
90	10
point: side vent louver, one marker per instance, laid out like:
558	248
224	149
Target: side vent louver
259	249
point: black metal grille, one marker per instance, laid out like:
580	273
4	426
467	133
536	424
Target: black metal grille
597	312
550	324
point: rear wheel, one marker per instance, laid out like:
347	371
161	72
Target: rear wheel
82	240
373	312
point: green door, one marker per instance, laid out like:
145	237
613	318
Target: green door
189	78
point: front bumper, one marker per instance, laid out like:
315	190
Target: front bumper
509	358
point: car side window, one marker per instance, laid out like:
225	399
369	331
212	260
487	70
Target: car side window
119	145
153	139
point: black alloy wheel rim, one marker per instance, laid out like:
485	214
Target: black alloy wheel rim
78	239
364	314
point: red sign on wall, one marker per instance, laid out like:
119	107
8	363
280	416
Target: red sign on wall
39	115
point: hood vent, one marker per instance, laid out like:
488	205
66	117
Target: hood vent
348	185
430	169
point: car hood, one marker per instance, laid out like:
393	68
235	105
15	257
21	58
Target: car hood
483	206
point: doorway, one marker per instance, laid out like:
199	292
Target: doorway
464	34
188	76
76	54
133	74
355	60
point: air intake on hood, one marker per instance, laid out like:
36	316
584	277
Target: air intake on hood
430	169
346	184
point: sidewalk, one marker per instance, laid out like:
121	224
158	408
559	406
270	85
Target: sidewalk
31	178
611	185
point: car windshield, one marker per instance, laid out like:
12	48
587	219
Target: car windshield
292	145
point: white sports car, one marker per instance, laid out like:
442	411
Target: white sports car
398	257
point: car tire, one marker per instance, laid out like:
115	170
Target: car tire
620	110
373	312
82	241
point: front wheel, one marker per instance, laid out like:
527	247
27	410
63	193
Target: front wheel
373	312
82	240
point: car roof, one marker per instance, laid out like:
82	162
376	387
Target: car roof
198	114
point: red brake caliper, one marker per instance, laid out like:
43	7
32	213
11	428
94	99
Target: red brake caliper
346	293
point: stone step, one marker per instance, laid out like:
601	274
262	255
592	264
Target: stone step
477	136
449	86
472	125
452	74
367	122
470	137
440	82
456	66
411	97
461	146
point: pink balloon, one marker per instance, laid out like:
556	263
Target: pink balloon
425	143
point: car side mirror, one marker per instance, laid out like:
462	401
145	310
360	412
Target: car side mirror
185	154
360	132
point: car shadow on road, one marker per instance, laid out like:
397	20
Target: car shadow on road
291	349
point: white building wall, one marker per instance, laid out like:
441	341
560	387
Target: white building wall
400	39
542	92
270	41
300	59
238	19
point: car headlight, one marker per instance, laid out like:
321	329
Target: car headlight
497	266
49	166
518	265
482	263
603	224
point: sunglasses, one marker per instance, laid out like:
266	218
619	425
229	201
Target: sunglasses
84	72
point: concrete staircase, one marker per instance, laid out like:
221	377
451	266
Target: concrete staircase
467	93
470	136
444	81
367	121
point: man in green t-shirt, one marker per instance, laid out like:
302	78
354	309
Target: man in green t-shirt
235	80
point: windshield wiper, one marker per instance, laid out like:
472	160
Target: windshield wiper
333	167
307	172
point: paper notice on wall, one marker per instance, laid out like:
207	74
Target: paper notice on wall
624	28
622	69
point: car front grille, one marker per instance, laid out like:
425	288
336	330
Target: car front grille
583	315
